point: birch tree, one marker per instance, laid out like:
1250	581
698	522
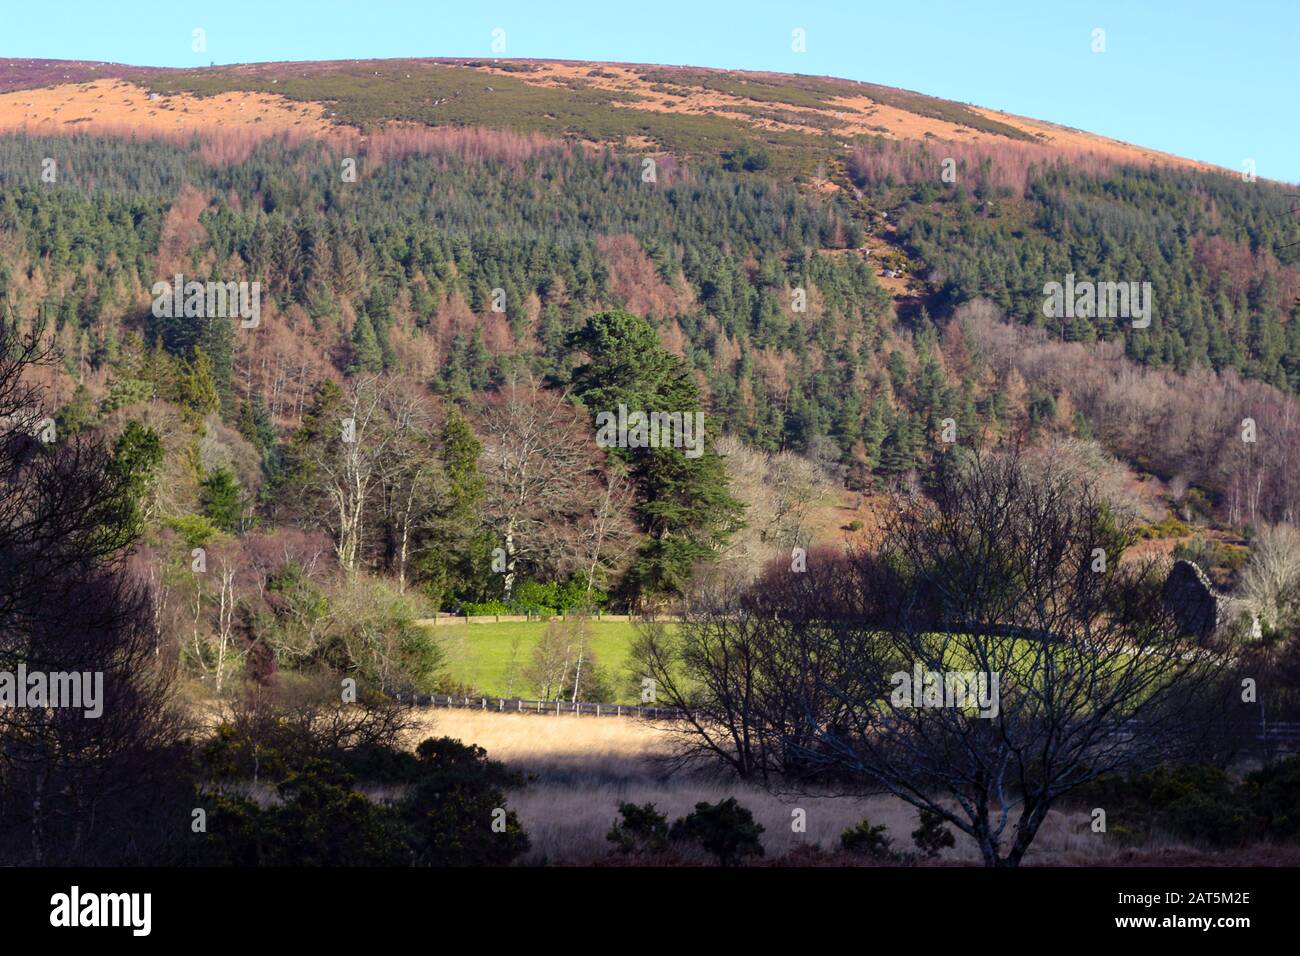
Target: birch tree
538	464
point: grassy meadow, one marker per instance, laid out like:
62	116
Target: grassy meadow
493	659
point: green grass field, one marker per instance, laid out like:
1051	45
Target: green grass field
493	658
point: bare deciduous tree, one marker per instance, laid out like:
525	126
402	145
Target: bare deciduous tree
778	491
607	534
538	464
373	475
1006	581
1271	578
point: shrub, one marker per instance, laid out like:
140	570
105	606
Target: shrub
1211	554
932	836
372	635
320	821
749	158
548	598
866	840
642	829
536	597
266	731
452	815
1274	795
1168	527
473	609
323	821
456	815
196	530
1198	803
725	829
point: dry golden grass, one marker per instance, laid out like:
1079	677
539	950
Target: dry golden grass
118	107
585	766
564	747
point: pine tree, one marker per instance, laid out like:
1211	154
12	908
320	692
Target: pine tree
875	432
78	414
366	354
898	455
222	499
196	390
684	503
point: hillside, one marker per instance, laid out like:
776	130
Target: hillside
834	262
680	109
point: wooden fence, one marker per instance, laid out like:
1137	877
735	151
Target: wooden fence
444	620
519	705
1284	736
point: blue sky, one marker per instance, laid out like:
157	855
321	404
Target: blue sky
1216	81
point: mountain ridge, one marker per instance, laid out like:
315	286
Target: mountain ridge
774	108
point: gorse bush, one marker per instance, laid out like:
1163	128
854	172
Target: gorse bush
725	829
453	814
318	752
1202	804
640	829
866	840
1273	792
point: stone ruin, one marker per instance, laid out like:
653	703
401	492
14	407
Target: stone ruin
1196	606
1200	610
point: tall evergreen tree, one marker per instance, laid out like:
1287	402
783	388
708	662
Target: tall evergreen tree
684	503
